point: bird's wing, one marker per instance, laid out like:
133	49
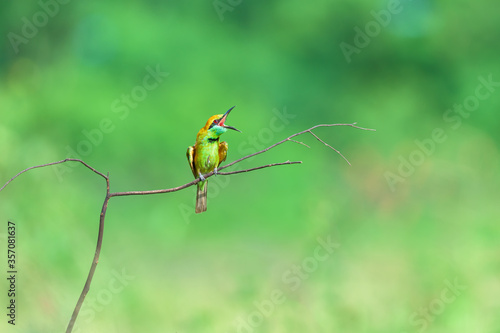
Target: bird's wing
190	157
222	152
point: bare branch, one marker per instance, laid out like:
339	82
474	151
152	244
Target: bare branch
326	144
196	181
309	130
174	189
210	174
53	163
257	168
93	266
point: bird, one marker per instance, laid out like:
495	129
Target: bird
207	154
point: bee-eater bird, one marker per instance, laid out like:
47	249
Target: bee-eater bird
207	154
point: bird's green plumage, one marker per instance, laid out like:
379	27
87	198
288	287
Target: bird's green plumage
207	154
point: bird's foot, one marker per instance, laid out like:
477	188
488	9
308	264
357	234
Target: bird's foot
215	171
202	178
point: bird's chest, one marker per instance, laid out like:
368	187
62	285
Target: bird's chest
207	156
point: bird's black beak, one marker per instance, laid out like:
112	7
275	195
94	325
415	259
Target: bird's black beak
223	119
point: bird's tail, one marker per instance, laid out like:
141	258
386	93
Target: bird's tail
201	197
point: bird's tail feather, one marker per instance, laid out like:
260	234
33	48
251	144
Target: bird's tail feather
201	197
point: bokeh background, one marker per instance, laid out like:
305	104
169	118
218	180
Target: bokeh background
415	217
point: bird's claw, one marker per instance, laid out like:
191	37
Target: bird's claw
202	178
215	171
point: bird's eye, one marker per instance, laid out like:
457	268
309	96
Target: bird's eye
216	121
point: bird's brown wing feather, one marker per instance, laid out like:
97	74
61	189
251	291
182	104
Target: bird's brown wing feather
222	152
190	157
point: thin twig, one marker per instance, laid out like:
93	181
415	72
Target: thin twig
53	163
109	195
326	144
257	168
300	143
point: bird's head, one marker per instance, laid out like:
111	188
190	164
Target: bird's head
216	125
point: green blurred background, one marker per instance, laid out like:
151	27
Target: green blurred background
416	215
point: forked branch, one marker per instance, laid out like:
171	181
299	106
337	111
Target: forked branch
109	195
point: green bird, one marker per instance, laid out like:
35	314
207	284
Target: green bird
207	154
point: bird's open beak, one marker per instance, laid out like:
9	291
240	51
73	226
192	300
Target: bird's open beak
223	120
